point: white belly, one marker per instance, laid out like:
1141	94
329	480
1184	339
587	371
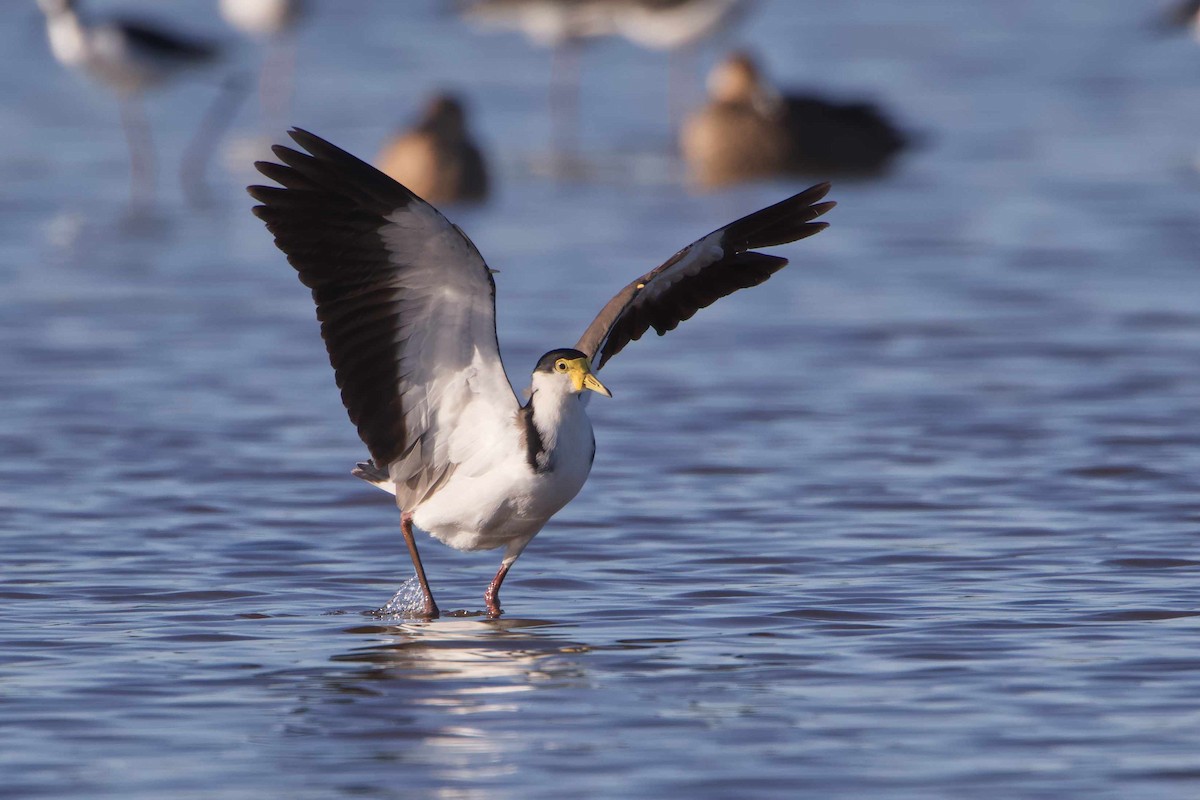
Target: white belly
510	502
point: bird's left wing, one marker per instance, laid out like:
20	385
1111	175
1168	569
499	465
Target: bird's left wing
406	304
702	273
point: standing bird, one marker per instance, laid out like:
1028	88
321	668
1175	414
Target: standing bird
561	25
749	130
129	57
436	159
565	25
676	26
408	314
274	21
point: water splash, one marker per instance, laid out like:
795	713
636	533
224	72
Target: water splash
405	603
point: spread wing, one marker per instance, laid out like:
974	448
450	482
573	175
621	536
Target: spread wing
406	305
702	273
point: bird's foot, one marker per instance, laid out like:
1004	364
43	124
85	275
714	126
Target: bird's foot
410	602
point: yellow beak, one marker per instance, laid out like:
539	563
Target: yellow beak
583	378
590	381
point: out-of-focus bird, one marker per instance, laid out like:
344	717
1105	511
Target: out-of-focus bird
749	130
274	21
676	26
564	25
561	25
550	23
263	18
127	56
436	159
407	311
1185	14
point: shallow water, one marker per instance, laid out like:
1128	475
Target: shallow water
918	520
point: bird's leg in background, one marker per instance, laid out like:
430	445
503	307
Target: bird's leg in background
212	128
680	86
141	150
492	595
431	610
564	99
275	83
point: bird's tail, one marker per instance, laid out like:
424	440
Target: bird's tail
374	476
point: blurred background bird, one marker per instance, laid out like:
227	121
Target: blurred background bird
437	158
128	57
750	130
565	26
273	22
678	27
1185	14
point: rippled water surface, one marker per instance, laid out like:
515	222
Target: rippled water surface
918	520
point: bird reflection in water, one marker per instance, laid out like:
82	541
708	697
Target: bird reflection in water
441	695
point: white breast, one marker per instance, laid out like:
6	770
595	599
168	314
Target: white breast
260	17
509	502
67	40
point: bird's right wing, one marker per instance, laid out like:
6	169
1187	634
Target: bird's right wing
407	310
702	273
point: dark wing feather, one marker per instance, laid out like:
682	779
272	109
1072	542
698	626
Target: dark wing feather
406	305
164	43
702	273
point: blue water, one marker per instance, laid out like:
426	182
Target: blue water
920	519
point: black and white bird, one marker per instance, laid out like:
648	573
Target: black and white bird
127	56
407	311
674	26
677	27
563	26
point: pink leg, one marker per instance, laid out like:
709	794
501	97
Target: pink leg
141	151
216	121
492	595
431	610
564	99
275	84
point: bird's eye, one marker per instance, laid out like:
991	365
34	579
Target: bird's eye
561	366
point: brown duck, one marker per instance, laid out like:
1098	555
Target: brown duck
749	130
437	159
